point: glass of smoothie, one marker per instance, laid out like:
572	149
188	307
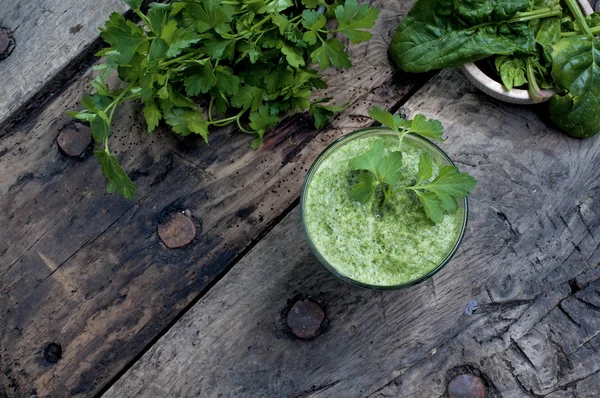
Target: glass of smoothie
399	249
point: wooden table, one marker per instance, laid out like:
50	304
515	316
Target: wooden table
92	302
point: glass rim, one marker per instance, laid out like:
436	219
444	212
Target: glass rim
331	268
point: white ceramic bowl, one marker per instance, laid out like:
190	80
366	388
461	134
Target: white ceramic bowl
496	90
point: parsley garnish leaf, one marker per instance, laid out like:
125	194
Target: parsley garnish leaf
438	196
369	160
363	190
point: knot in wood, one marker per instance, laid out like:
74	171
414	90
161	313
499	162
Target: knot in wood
53	353
74	141
305	319
177	231
7	43
466	385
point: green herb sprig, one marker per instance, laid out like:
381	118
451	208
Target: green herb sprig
246	61
379	170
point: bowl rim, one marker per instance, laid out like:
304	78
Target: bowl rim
376	130
488	85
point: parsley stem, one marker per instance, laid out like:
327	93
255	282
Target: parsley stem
145	19
265	20
401	135
210	105
178	59
242	128
116	102
387	192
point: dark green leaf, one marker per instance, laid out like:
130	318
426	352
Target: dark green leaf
512	70
202	80
427	128
425	171
262	119
363	190
100	129
353	19
124	36
227	82
186	122
394	122
331	52
576	68
135	4
293	56
248	97
389	168
180	41
432	206
437	33
118	180
219	48
210	14
152	115
369	160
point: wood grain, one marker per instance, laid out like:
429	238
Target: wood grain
530	259
52	38
87	270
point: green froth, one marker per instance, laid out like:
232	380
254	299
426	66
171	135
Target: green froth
399	247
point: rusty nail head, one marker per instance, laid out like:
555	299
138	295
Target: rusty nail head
7	43
53	353
305	319
74	141
4	41
466	386
177	231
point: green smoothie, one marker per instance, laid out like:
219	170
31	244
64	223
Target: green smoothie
399	247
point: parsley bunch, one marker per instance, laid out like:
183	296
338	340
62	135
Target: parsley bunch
382	171
246	61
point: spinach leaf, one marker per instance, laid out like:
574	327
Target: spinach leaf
576	68
442	33
511	70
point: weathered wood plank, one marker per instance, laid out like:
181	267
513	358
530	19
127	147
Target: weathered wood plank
52	38
530	259
87	271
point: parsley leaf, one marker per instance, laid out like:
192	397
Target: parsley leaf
352	19
383	171
135	4
370	159
202	80
442	193
124	36
389	167
364	188
331	52
152	115
117	178
382	116
248	97
210	14
427	128
419	125
322	113
201	64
